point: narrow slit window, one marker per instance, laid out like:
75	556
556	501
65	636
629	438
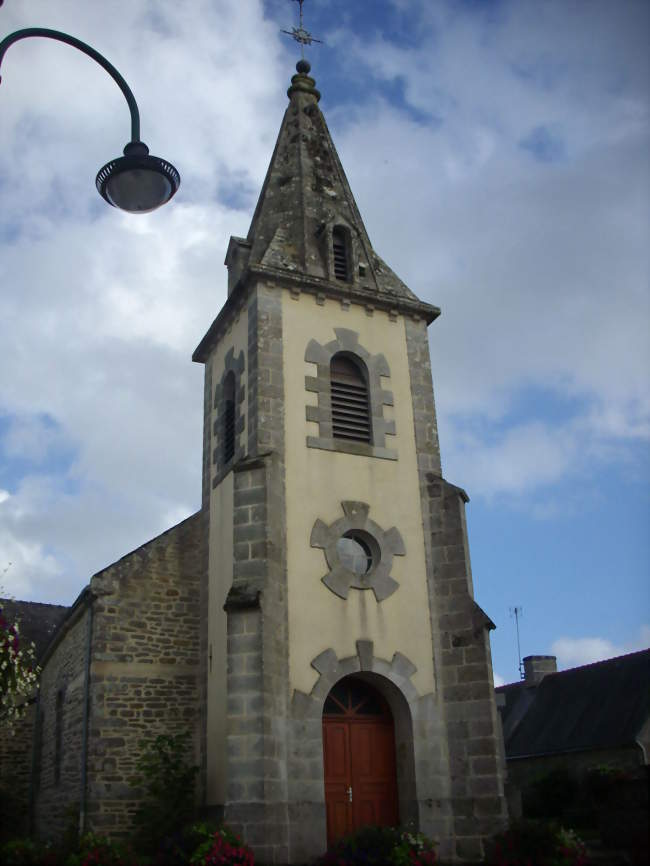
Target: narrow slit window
340	252
350	403
229	418
37	762
58	737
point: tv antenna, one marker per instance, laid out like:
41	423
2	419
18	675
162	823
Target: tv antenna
299	33
517	612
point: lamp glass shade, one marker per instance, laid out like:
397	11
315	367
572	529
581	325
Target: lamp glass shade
138	190
137	182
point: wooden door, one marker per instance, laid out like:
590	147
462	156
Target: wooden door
359	759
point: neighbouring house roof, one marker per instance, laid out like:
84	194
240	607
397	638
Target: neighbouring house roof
37	622
598	706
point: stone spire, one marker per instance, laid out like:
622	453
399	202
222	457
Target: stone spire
305	195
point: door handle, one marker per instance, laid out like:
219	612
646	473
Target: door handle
350	794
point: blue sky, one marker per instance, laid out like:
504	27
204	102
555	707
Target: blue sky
498	152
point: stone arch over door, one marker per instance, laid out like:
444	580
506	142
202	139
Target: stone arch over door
421	767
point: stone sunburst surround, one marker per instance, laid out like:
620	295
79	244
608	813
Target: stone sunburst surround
331	669
388	543
377	366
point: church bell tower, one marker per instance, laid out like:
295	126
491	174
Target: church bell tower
348	675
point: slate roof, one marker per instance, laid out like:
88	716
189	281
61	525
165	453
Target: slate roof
598	706
37	622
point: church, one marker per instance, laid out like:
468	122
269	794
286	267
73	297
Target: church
313	625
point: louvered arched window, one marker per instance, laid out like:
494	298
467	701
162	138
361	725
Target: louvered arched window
228	418
350	400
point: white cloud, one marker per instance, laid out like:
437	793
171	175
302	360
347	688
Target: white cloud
573	652
498	680
508	465
541	270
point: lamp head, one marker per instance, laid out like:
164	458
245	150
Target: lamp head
137	182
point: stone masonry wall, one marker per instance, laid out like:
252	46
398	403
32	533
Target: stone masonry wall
466	679
256	607
57	788
204	600
15	773
438	820
145	667
424	409
473	788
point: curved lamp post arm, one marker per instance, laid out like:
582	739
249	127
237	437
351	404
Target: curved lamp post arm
86	49
136	182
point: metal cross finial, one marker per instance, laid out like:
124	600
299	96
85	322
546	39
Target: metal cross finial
299	33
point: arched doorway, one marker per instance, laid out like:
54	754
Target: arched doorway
359	759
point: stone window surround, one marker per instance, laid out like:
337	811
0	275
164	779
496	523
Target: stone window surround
237	366
347	341
340	579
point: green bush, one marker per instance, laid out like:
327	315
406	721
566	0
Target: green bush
198	844
381	846
27	852
169	780
13	811
551	795
600	781
99	851
222	848
535	843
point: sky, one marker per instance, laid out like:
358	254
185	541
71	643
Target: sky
498	152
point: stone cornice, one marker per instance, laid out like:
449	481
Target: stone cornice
316	286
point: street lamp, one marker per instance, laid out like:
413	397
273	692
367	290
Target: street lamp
135	182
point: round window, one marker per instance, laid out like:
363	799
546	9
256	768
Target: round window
355	553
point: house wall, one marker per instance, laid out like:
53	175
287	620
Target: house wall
15	773
522	772
145	671
644	741
56	803
619	812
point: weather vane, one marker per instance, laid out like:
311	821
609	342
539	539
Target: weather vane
299	33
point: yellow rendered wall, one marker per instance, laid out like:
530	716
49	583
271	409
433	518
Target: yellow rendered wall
220	579
317	481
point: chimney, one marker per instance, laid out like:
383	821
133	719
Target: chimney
536	668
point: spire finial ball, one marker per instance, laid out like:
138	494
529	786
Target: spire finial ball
303	67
